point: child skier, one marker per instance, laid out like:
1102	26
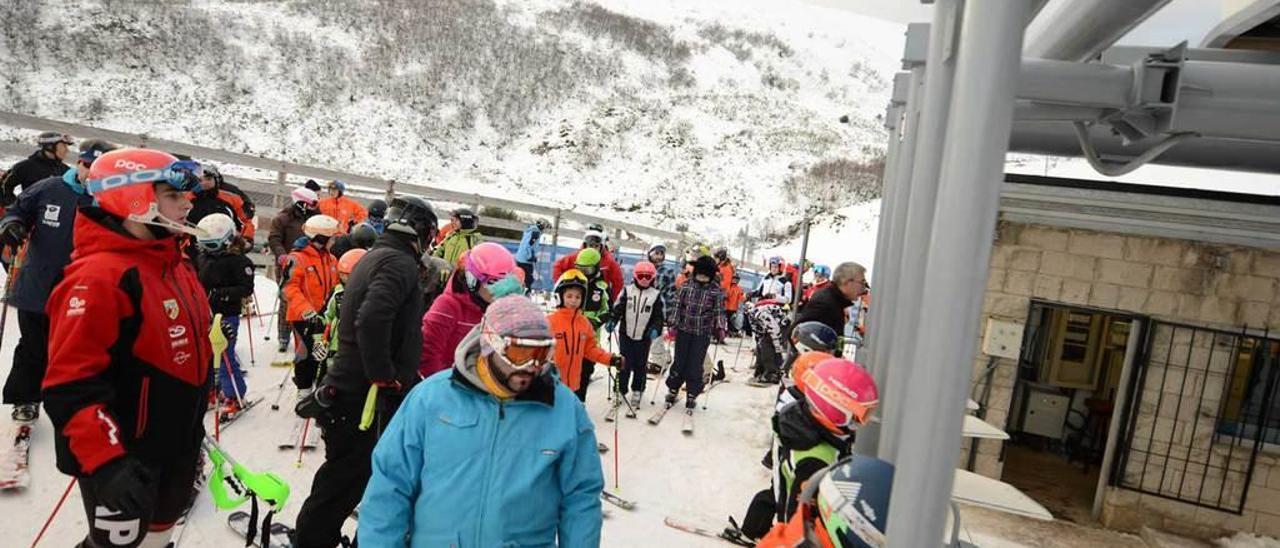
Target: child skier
310	276
733	298
696	317
638	313
462	239
129	332
596	302
326	352
768	323
810	434
575	338
227	277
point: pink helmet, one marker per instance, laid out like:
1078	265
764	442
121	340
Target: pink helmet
487	263
840	394
644	271
305	196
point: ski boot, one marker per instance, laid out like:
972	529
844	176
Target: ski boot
25	412
635	401
670	399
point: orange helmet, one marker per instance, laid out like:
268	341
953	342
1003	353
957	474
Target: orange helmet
803	363
349	259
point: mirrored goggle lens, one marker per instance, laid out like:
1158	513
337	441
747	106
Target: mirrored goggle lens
522	353
644	277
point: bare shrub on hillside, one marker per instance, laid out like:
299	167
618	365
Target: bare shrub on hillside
742	43
644	37
835	183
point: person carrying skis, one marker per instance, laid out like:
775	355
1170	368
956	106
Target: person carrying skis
433	467
828	305
286	228
576	348
776	285
309	278
227	277
378	345
695	317
530	247
486	273
810	434
609	267
638	314
42	164
43	217
129	351
348	212
769	322
461	239
733	298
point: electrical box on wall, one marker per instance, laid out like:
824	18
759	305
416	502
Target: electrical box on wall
1003	339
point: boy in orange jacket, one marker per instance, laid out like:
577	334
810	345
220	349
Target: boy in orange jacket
575	340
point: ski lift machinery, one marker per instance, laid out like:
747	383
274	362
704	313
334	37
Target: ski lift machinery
1033	76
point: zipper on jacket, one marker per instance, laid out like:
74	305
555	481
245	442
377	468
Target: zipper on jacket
488	472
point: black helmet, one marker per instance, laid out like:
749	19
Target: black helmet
542	224
466	218
214	173
722	254
91	149
705	265
814	336
377	209
363	235
412	215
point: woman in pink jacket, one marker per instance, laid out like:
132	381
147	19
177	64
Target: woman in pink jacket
487	272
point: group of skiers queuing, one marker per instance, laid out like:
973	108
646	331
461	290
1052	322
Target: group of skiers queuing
429	372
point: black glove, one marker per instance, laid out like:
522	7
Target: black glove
124	485
13	233
314	405
616	360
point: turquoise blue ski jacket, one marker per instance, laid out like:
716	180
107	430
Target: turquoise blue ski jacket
456	467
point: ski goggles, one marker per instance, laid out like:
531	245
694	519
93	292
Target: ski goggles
850	411
523	354
183	175
644	277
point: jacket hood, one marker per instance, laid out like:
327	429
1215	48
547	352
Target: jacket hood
96	231
797	430
69	179
542	390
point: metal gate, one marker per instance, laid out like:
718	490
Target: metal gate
1202	404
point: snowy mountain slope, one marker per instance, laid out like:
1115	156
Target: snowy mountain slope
657	111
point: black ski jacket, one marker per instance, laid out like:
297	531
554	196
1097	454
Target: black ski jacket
26	172
228	280
379	327
48	210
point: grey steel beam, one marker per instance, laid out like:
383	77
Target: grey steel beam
935	378
1058	139
1252	16
917	219
1079	30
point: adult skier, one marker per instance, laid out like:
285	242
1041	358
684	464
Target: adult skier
377	212
726	268
42	164
530	247
821	279
129	351
227	277
309	278
776	284
348	212
609	267
638	319
665	283
216	195
378	345
695	317
576	348
461	239
43	218
828	305
485	274
454	466
286	228
769	323
811	434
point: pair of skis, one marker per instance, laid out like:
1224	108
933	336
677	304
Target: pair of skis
730	534
686	426
14	473
300	428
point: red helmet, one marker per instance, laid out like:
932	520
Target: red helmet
121	181
347	262
840	394
644	271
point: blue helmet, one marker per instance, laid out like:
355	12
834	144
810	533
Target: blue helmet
814	336
853	496
340	186
822	270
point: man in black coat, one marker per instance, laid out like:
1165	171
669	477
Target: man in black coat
42	164
827	305
379	343
43	217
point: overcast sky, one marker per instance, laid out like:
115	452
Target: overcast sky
1180	20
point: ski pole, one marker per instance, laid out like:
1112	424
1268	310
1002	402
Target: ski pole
18	257
275	405
54	514
302	443
737	354
253	360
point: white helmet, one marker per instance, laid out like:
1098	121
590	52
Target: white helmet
305	195
320	225
217	230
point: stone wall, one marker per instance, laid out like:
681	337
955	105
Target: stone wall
1179	280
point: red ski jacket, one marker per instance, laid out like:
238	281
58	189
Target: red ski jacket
129	352
609	268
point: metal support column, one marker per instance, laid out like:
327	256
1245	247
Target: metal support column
555	244
888	185
1137	330
936	377
909	270
804	251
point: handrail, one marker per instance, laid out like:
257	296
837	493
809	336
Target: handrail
26	121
